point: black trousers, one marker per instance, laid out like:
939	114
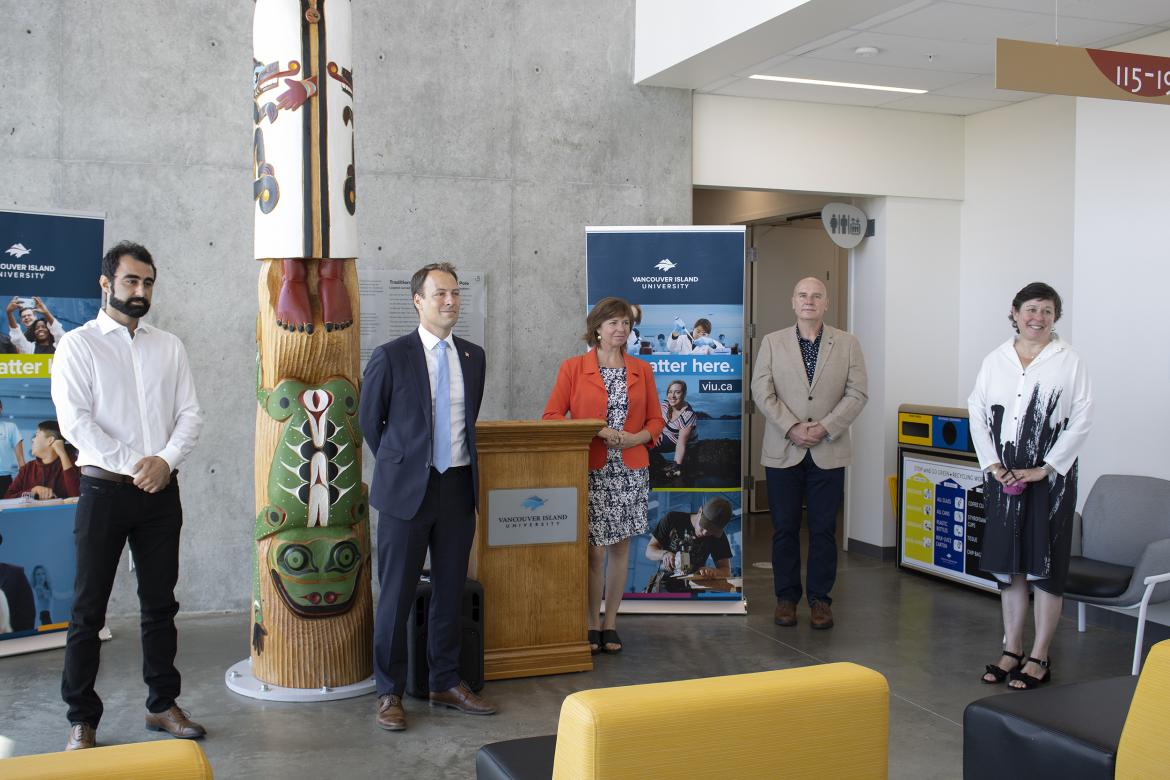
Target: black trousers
446	524
108	515
822	491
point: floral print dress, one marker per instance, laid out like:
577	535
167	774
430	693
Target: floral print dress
618	495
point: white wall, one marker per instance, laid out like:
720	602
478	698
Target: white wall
813	147
906	315
1121	282
1070	191
867	499
1016	219
667	32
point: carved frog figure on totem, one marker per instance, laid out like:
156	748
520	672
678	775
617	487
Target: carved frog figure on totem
316	504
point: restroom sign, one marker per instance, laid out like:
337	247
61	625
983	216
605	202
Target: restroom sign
845	224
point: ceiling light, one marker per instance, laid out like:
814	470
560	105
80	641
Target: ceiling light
850	85
866	51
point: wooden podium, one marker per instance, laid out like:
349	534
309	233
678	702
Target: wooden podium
535	594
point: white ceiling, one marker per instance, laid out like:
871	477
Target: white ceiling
944	46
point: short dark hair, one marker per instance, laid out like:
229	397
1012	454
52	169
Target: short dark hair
1032	292
605	309
51	427
702	322
419	280
113	258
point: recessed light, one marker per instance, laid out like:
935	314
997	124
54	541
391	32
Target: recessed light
850	85
866	51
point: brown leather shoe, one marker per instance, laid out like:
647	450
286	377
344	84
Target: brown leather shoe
391	716
81	736
785	613
463	699
822	615
174	722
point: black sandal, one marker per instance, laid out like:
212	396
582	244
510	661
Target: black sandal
1000	674
1030	682
594	639
610	637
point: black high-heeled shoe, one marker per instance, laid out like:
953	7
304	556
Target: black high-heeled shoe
1000	674
1030	682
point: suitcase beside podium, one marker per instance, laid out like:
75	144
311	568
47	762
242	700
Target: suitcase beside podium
471	648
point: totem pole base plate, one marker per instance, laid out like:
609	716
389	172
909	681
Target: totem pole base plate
239	679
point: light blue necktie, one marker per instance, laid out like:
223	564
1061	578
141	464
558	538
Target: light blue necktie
442	409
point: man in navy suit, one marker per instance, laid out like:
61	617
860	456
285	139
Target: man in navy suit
420	398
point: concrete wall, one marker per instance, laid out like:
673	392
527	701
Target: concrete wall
489	133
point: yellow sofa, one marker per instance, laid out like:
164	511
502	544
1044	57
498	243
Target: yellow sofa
825	721
1144	750
172	759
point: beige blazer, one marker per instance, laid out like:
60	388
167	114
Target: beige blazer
782	393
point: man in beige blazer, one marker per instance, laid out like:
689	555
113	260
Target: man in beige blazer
809	382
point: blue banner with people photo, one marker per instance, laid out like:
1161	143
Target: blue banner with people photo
49	269
686	287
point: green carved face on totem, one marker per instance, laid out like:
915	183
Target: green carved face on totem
315	478
315	570
316	504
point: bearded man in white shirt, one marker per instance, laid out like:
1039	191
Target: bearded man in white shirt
125	398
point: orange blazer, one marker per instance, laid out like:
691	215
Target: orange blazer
580	393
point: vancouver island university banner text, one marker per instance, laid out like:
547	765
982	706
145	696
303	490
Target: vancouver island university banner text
688	285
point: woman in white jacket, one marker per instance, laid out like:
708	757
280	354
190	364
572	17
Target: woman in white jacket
1030	415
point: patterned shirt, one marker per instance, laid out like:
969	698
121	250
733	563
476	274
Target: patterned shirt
809	351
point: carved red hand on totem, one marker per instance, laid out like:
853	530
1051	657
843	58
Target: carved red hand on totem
297	93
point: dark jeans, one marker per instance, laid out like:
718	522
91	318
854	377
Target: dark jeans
445	523
109	514
822	490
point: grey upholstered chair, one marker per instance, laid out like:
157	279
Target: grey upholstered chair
1121	539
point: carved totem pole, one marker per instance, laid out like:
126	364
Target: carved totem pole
312	619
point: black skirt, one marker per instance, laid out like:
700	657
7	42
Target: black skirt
1031	533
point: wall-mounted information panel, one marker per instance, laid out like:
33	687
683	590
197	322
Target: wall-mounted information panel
940	496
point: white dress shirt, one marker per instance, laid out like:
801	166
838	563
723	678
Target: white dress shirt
460	456
1056	373
120	399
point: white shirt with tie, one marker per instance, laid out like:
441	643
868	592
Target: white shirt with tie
460	456
120	399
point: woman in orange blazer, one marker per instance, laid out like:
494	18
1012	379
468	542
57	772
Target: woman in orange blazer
607	384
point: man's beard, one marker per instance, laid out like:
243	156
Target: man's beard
132	307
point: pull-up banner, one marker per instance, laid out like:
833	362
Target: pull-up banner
1067	70
49	269
687	284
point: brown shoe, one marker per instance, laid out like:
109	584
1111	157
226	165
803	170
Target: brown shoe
81	736
822	615
463	699
785	613
174	722
391	716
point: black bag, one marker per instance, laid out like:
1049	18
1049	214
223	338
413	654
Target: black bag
471	648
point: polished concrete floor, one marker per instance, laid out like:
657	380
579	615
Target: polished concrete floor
930	639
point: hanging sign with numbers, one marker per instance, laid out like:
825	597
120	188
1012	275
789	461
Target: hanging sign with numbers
1067	70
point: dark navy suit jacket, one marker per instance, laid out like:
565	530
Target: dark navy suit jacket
397	420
